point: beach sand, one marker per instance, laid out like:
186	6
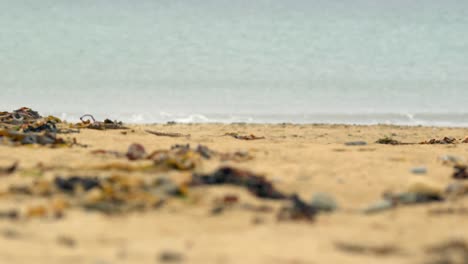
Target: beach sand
302	159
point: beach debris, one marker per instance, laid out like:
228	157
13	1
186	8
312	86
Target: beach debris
297	210
115	194
181	157
136	152
356	143
66	241
388	141
448	211
444	140
20	138
456	189
379	206
71	184
256	184
419	190
419	170
460	172
28	120
169	256
449	252
450	160
465	140
9	170
244	137
166	134
9	214
378	250
88	121
323	202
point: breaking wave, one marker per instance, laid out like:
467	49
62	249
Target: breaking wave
410	119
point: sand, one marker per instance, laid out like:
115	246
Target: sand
303	159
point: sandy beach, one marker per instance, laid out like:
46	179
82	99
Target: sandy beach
302	159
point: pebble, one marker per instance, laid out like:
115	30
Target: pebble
379	206
324	202
170	256
66	241
419	170
456	189
356	143
136	152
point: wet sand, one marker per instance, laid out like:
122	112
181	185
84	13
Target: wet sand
303	159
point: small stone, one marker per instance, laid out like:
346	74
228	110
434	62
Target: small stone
9	214
356	143
10	233
413	198
171	256
457	189
66	241
217	210
419	170
324	202
136	152
379	206
425	186
449	160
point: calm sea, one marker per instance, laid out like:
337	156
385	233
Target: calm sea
303	61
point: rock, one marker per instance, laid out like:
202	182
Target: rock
136	152
450	160
66	241
460	172
379	206
356	143
170	256
419	170
425	186
324	202
457	189
414	198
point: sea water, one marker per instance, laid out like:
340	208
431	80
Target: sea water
300	61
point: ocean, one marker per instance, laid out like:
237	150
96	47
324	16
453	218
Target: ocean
274	61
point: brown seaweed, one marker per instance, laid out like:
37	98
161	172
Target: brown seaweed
166	134
88	121
10	169
444	140
460	172
243	137
256	184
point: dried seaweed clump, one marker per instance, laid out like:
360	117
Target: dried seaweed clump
259	186
445	140
244	137
110	195
388	141
13	137
88	121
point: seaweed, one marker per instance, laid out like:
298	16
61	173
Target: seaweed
460	172
257	185
72	183
21	138
243	137
165	134
444	140
88	121
297	210
388	141
10	169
